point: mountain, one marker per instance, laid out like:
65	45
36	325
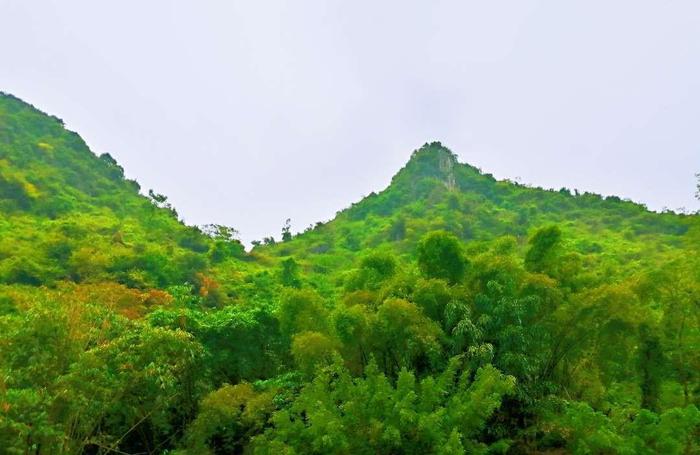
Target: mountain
450	313
68	214
436	192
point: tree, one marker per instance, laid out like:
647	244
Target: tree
651	365
397	231
673	432
339	414
157	198
676	285
405	338
585	430
375	269
301	310
311	349
126	390
228	418
543	249
440	255
352	325
161	201
116	171
289	274
220	232
287	230
432	296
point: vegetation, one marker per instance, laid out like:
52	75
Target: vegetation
451	313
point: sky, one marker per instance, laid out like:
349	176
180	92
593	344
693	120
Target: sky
246	113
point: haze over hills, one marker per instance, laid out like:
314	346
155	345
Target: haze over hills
449	313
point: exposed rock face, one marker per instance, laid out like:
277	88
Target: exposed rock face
446	163
434	160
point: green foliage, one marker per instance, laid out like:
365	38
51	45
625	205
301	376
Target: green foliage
440	256
311	350
79	377
543	249
287	230
302	310
241	343
405	338
574	326
433	297
228	418
289	275
587	431
337	413
374	270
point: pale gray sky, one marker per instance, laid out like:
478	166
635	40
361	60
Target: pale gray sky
248	112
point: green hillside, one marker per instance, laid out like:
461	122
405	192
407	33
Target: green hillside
450	313
70	215
609	236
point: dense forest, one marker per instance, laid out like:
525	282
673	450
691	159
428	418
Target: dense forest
451	313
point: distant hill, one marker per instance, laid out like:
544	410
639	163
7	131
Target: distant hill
68	214
436	192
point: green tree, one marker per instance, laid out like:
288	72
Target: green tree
652	366
544	247
301	310
375	269
338	414
289	274
312	349
287	230
228	417
673	432
352	325
242	342
405	338
432	296
440	255
122	395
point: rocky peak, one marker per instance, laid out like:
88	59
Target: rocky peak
433	160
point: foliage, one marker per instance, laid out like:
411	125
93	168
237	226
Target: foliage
449	313
440	256
337	413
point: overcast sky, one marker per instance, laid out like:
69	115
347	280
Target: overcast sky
246	113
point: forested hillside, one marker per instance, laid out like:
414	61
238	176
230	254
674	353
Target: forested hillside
435	192
451	313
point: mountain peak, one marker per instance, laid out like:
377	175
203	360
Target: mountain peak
433	151
433	160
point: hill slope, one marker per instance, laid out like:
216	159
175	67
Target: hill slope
68	214
436	192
